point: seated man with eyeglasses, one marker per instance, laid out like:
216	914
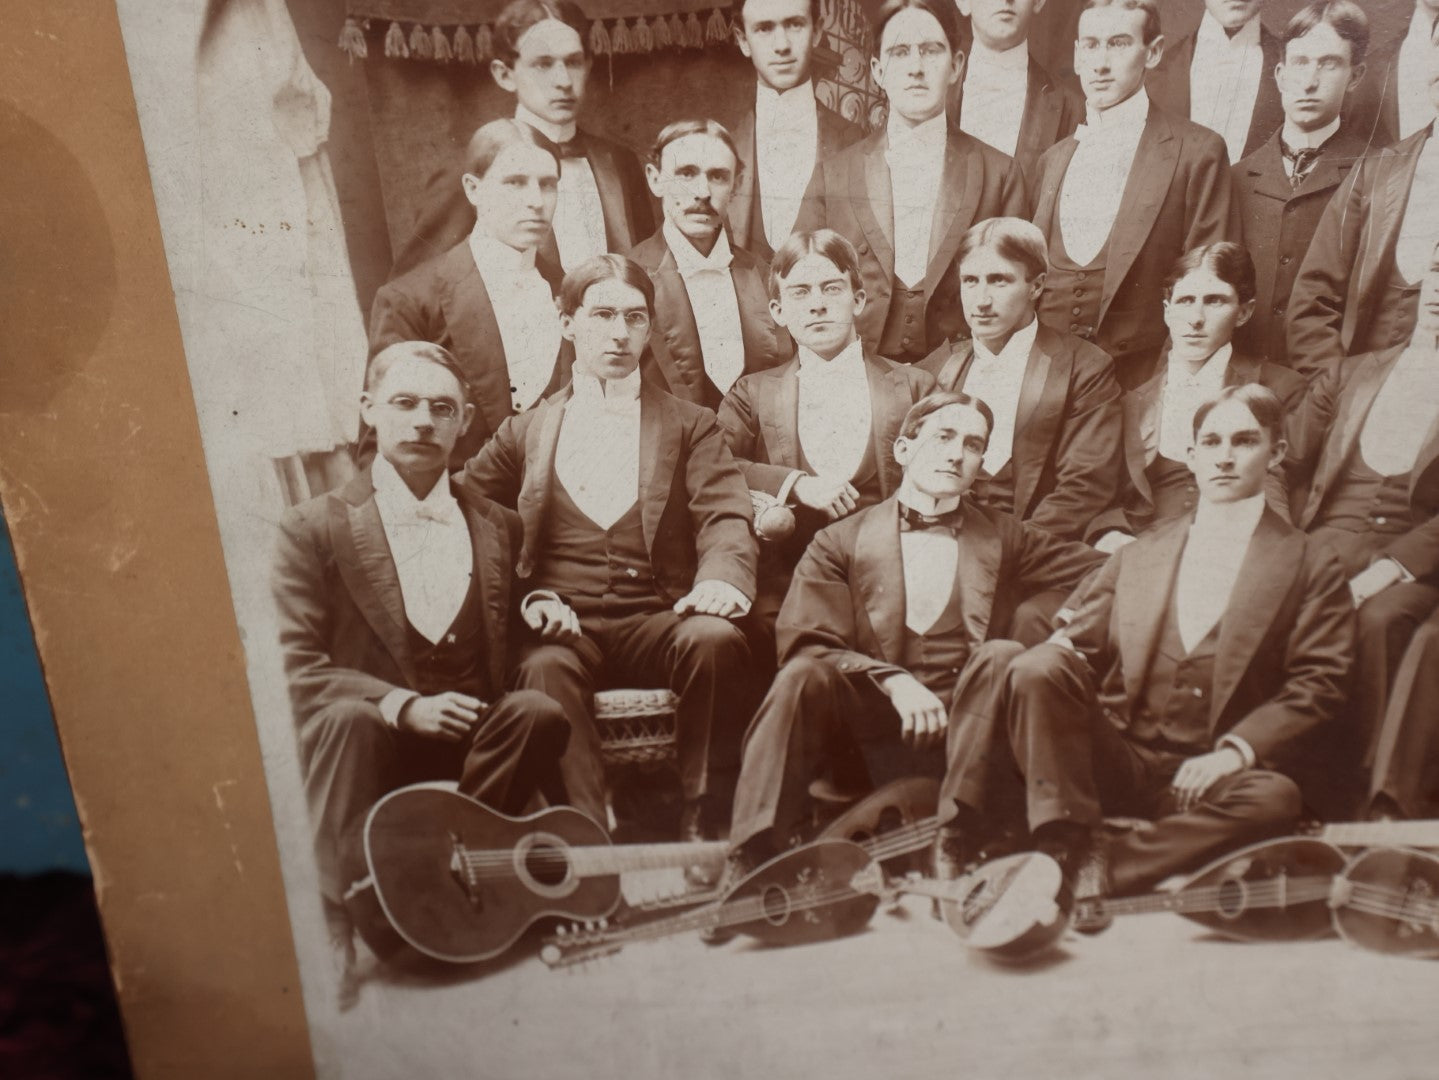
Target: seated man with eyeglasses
636	517
392	594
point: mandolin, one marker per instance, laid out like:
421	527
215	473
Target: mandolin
452	879
1387	900
1277	890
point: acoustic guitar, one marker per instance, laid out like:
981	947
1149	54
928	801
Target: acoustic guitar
456	881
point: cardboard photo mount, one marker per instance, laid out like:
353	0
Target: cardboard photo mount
106	496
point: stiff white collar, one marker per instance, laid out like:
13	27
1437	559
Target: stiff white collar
491	254
592	389
921	502
559	133
392	491
928	136
1016	350
1214	35
848	361
687	256
772	106
1211	373
1133	111
1235	520
982	57
1306	140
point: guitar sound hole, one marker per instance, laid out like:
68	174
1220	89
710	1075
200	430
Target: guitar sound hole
1231	899
776	905
547	865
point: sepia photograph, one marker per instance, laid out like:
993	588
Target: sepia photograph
813	538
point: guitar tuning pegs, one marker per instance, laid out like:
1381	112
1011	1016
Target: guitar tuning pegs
562	930
604	923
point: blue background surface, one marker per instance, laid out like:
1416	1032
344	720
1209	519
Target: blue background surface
38	827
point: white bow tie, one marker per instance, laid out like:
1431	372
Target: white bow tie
440	513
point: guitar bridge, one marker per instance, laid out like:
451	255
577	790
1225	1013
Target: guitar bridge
463	872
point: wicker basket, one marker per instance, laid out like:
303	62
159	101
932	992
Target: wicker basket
637	727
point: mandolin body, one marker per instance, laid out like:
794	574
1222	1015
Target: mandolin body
1390	902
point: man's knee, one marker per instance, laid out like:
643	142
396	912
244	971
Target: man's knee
1042	666
550	661
341	726
541	714
708	638
805	676
1270	801
998	654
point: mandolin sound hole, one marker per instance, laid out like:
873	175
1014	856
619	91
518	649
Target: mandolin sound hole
1232	899
775	904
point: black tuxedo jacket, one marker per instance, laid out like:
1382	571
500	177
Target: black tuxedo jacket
694	507
1067	444
1051	112
343	629
674	356
447	217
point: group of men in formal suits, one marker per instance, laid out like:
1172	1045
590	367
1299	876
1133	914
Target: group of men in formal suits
1095	509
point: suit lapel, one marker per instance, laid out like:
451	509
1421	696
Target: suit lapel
367	567
888	402
879	572
1046	206
876	211
1274	557
470	316
1043	386
1141	442
660	437
681	335
779	415
980	553
1266	167
619	229
1039	125
1149	178
492	561
542	437
1392	198
746	193
959	190
756	326
1141	597
1268	115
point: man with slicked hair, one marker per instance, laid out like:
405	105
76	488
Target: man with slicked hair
393	595
712	321
635	516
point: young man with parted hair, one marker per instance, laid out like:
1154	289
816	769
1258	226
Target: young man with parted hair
816	432
1220	75
542	56
789	133
1199	673
635	516
1133	189
1005	98
712	318
881	637
1283	187
393	594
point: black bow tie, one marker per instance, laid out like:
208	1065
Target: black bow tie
911	520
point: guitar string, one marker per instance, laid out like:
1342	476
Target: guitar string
1269	893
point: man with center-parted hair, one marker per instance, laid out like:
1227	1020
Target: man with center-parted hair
789	133
1200	671
881	634
712	319
542	56
393	594
636	516
1133	189
816	433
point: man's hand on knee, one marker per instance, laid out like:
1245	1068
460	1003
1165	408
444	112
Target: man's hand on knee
552	618
1197	775
922	716
449	715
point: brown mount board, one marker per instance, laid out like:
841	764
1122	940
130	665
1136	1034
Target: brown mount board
106	497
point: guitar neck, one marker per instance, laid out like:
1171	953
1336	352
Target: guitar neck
1416	834
602	860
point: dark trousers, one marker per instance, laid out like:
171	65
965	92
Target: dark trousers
704	659
351	758
817	721
1406	753
1051	745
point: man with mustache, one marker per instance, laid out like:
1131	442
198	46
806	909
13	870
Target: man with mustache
789	133
393	601
712	319
636	516
542	56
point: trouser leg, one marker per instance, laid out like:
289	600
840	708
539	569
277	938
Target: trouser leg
567	674
1406	757
514	751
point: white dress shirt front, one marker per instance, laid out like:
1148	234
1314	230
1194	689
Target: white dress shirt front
996	85
1209	565
1183	393
1418	232
526	314
598	456
1093	185
786	147
714	304
931	559
1224	80
916	164
579	222
834	411
1404	412
996	379
1412	74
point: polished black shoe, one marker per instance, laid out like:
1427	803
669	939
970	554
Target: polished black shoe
738	865
951	854
1091	887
